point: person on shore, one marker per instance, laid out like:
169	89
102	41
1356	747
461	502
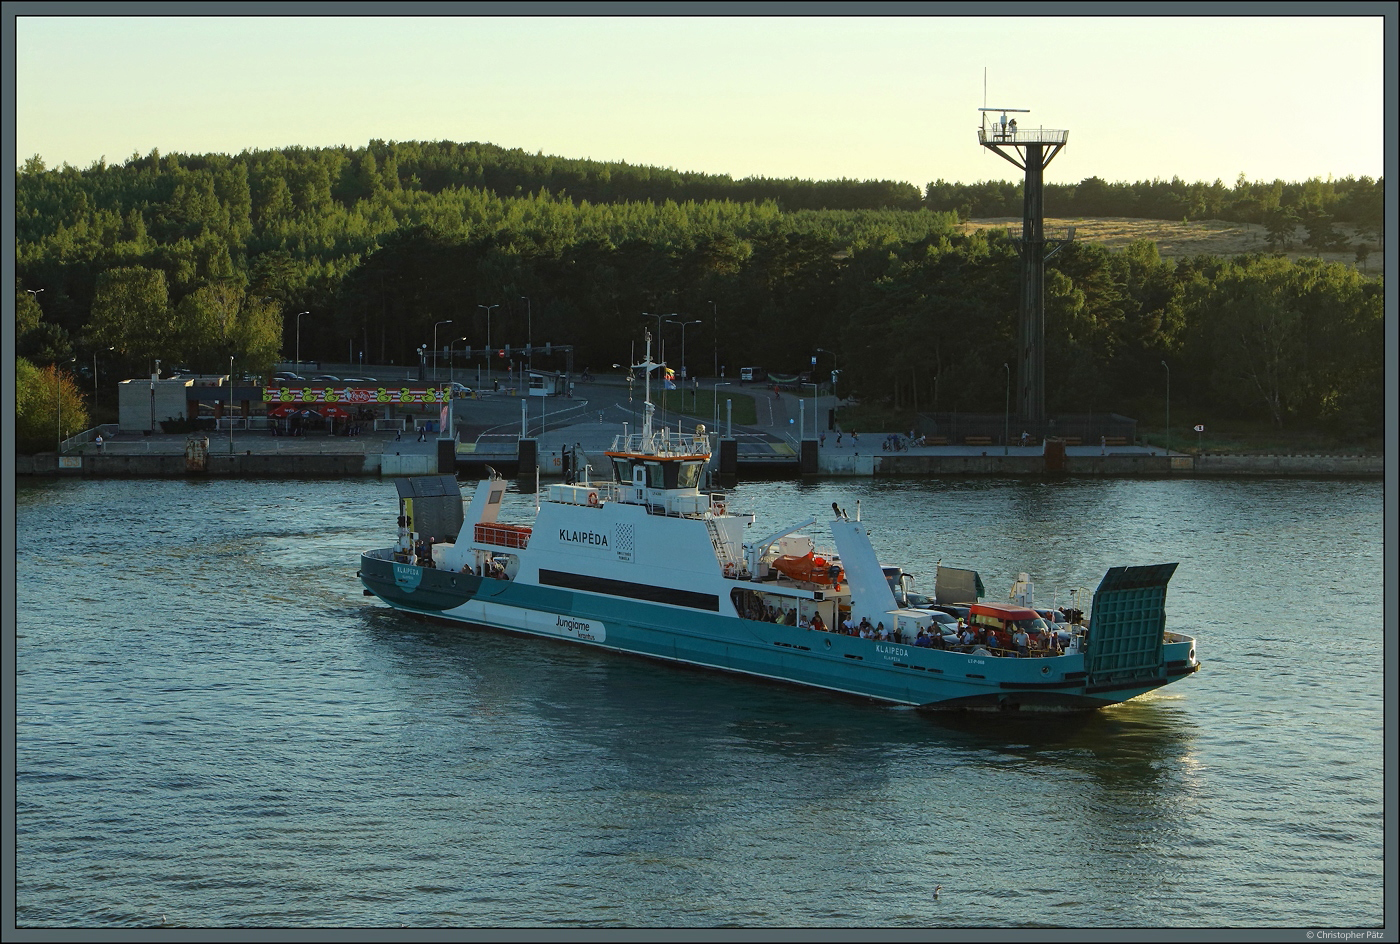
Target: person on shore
99	442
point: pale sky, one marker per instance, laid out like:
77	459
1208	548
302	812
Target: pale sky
808	97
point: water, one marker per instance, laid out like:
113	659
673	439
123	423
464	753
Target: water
216	729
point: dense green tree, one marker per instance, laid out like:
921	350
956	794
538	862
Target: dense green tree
131	312
48	407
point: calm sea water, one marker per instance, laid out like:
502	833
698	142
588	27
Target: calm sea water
216	729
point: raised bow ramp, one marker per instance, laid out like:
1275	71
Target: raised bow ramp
1126	635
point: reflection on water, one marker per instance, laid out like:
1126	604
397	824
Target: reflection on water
214	724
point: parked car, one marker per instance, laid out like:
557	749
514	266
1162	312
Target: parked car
359	380
325	378
459	390
286	377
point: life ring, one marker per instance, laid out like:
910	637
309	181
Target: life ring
717	508
593	499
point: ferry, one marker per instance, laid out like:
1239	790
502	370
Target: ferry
651	563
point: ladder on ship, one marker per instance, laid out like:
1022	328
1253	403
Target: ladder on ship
728	559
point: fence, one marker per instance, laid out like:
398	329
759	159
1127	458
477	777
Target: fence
991	428
106	431
242	422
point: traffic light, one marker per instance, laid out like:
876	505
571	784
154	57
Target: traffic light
467	351
527	350
507	351
546	348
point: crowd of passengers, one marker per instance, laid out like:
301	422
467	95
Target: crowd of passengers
1042	639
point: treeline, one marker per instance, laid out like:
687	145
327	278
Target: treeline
1316	204
389	247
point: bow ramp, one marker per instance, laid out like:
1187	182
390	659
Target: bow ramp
1126	634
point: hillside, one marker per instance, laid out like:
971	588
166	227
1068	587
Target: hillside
1176	239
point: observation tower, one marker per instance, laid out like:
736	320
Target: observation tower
1032	150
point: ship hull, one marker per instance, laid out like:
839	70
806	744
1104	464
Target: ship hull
888	672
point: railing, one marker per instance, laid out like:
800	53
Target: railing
106	431
503	535
241	422
996	135
663	443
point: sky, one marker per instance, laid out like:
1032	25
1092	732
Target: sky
894	98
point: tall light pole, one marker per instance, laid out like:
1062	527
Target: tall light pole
529	334
299	314
683	376
450	360
435	346
58	400
230	404
715	332
1169	408
35	292
1006	423
490	351
822	350
717	386
94	374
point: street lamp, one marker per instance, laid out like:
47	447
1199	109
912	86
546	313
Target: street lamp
35	292
435	346
94	374
422	360
834	371
489	350
299	314
683	377
1006	423
1169	409
717	386
58	399
451	361
230	404
529	334
715	333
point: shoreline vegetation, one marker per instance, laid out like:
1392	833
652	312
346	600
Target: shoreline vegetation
1260	301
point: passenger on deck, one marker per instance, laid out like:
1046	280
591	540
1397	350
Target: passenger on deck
881	632
1023	642
818	624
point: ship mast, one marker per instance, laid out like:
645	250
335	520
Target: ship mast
649	408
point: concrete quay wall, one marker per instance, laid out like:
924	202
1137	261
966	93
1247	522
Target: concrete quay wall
316	465
239	465
1360	466
905	464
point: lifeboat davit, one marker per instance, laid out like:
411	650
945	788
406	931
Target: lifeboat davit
809	568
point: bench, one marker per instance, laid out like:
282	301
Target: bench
1073	441
935	440
977	440
1115	440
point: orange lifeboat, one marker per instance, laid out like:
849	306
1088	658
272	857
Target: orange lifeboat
810	569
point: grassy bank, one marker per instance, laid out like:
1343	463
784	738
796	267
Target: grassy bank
700	405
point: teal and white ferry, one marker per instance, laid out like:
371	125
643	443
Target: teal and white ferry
652	564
